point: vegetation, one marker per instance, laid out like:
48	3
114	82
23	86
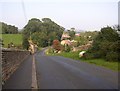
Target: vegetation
71	33
8	29
100	62
104	51
49	51
105	45
16	39
56	45
73	55
85	37
42	32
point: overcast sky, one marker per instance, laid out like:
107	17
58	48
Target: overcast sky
80	14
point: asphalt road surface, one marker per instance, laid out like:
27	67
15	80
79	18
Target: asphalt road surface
55	72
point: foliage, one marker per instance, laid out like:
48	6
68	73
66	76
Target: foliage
105	45
71	33
8	29
42	32
112	56
73	55
25	42
56	45
39	38
67	48
100	62
85	37
50	51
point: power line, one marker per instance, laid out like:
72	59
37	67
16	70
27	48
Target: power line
24	11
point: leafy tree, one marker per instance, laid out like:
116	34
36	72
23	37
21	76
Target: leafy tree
106	43
25	42
56	45
46	20
8	29
33	25
40	39
42	32
109	34
71	33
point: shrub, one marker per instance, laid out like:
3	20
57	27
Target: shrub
88	56
50	51
105	45
112	56
67	48
56	45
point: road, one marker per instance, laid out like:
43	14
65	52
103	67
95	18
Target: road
55	72
21	78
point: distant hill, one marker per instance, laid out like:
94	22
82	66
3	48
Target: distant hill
16	39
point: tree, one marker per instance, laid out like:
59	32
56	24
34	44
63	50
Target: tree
40	38
109	34
8	29
71	33
46	20
105	43
42	32
25	42
56	45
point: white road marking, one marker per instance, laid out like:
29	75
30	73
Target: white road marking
34	78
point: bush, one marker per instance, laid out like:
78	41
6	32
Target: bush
88	56
112	56
67	48
50	51
105	45
56	45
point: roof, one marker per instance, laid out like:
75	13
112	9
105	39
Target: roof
66	42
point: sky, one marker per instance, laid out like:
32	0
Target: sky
87	15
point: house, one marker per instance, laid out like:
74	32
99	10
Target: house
77	34
66	42
65	39
65	36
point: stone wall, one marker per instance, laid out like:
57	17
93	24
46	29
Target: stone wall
11	59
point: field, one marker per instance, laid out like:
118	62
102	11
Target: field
16	39
99	62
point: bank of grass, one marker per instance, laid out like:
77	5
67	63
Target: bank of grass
73	55
99	62
16	39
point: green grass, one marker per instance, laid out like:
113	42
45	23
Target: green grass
73	55
15	38
104	63
99	62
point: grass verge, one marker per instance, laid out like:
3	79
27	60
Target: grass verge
99	62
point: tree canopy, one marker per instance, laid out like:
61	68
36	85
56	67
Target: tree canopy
105	45
42	32
8	29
